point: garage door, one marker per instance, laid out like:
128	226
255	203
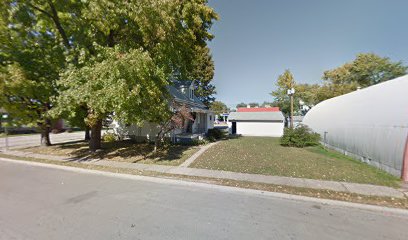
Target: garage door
269	129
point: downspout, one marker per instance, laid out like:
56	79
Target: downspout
404	172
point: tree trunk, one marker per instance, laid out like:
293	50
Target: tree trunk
156	144
158	140
56	19
95	141
45	133
155	148
87	133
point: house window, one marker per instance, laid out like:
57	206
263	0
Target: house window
191	93
210	117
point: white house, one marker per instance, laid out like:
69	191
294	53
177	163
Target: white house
268	124
182	92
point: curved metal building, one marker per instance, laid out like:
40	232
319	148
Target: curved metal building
370	124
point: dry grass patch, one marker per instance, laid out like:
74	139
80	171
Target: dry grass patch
121	151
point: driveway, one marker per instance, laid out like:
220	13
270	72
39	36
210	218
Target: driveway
31	140
44	203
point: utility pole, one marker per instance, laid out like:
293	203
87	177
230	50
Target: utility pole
291	92
5	116
291	111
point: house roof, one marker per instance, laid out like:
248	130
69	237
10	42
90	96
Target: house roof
256	116
261	109
183	98
178	84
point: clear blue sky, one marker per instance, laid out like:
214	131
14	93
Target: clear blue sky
256	40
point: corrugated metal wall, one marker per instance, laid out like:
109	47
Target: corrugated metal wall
370	124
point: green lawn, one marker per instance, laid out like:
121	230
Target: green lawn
263	155
121	151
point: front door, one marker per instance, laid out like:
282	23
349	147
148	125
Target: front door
234	128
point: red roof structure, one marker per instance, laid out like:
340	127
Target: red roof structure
261	109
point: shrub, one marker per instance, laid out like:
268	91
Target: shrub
300	137
198	142
109	137
215	134
193	142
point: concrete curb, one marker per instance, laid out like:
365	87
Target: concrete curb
358	188
284	196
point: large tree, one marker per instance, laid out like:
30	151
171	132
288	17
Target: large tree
365	70
125	83
31	57
170	35
306	93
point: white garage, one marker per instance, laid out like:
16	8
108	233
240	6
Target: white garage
269	124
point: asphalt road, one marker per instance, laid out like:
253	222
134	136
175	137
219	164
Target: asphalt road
31	140
43	203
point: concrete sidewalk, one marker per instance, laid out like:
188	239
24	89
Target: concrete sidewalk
32	140
364	189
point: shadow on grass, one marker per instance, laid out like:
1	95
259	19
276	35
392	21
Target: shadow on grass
126	149
70	143
227	137
232	136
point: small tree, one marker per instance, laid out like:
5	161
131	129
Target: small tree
218	107
285	81
253	104
241	105
172	120
268	104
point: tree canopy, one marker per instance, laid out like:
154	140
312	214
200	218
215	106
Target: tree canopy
89	40
31	58
241	105
203	73
126	83
218	107
253	104
285	81
365	70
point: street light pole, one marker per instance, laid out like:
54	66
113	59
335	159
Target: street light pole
5	116
7	142
291	111
291	92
